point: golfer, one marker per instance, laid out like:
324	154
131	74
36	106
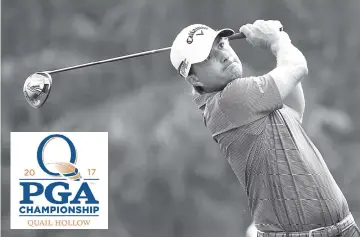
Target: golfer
257	123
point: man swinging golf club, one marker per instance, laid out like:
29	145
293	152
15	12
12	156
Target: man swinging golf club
257	123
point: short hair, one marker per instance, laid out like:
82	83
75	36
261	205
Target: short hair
195	89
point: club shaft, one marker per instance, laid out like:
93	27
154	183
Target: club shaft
232	37
109	60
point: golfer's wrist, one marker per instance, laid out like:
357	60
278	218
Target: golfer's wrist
281	42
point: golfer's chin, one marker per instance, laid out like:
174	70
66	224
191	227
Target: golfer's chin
234	73
231	74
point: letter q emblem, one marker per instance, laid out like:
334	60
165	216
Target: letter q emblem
66	169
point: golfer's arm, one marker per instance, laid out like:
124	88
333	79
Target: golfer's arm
291	67
296	100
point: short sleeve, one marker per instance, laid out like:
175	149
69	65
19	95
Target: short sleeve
248	99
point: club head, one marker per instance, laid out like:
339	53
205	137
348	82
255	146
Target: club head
37	88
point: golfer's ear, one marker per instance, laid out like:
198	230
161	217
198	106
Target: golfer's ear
193	80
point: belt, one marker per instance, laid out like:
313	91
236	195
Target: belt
332	230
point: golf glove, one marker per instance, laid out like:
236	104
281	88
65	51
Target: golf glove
264	34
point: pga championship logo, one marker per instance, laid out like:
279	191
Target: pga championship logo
59	181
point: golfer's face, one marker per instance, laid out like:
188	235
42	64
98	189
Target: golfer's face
221	67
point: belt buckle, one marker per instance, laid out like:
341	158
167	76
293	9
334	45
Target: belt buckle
313	230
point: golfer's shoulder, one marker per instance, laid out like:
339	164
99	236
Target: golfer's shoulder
244	90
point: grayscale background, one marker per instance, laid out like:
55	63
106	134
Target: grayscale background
167	178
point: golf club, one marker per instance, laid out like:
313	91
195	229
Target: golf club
37	87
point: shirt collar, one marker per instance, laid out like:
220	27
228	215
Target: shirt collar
201	98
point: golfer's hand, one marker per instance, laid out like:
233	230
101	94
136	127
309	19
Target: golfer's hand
264	34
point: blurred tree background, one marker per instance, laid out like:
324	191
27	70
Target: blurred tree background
166	175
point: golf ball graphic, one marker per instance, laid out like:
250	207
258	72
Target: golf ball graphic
66	170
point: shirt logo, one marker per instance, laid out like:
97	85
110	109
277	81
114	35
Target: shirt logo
260	84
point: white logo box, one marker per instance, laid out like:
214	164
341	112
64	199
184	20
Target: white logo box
52	208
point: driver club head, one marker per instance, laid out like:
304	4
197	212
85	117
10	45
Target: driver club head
37	88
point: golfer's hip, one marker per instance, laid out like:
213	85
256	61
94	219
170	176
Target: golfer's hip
328	231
